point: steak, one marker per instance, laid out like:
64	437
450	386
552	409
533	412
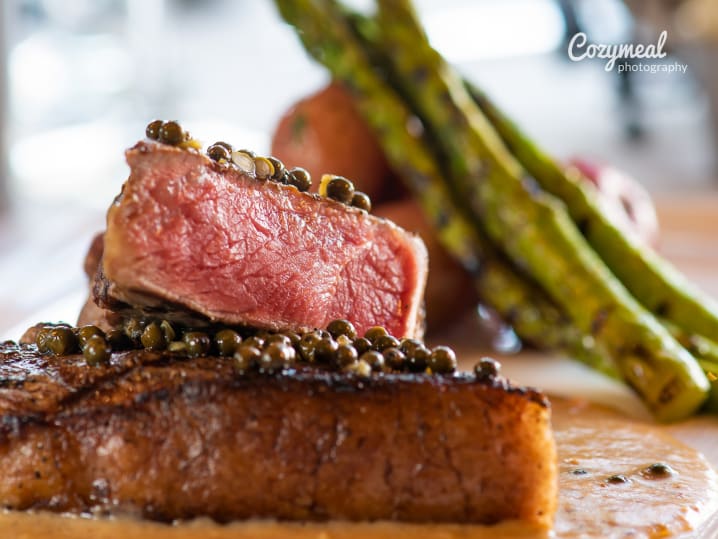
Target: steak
91	313
190	233
167	438
94	255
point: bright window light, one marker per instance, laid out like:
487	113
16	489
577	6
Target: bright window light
492	29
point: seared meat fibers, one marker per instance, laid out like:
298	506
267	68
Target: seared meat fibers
188	232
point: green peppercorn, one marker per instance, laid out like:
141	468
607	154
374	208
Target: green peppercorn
280	338
178	347
324	350
290	356
443	360
218	152
341	327
373	333
359	368
487	368
246	357
153	129
276	356
323	183
394	358
86	332
153	338
198	343
422	352
384	342
299	178
227	341
171	133
41	340
374	359
345	355
168	331
268	362
419	359
340	189
362	345
414	364
293	338
244	161
307	344
362	201
226	145
310	339
134	329
278	167
408	346
263	168
250	153
255	340
286	179
61	341
96	351
118	340
306	353
44	336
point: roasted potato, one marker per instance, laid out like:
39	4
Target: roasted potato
325	134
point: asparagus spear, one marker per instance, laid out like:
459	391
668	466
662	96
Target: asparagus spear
711	369
666	375
655	282
706	352
651	279
533	316
533	226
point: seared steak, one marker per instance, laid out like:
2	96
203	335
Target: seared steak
187	232
91	313
94	255
172	438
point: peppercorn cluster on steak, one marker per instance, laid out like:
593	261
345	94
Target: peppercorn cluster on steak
196	234
171	437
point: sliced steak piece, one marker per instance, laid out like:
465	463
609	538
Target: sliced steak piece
171	438
91	313
195	234
94	255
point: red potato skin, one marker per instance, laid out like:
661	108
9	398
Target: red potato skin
325	134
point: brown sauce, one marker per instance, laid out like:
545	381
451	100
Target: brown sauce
595	447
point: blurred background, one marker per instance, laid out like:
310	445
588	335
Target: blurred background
80	79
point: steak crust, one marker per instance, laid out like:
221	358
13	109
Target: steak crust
192	233
171	438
